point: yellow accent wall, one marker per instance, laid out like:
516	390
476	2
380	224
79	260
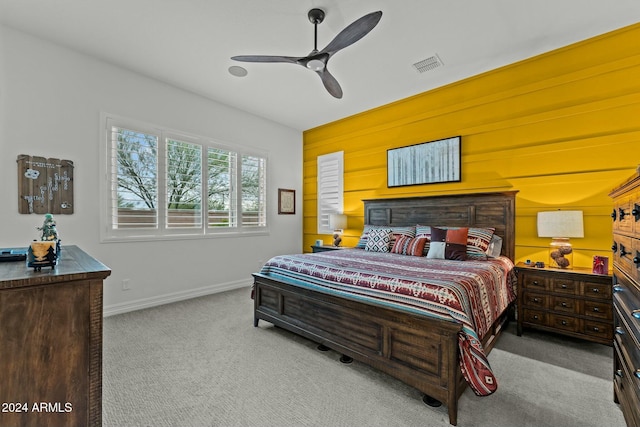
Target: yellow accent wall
562	128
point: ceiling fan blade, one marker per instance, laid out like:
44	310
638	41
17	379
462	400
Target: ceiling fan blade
354	32
330	83
265	58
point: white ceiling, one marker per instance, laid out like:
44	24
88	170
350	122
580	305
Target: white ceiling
188	43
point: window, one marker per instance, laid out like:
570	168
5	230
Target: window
162	184
330	189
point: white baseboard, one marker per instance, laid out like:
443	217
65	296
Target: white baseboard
140	304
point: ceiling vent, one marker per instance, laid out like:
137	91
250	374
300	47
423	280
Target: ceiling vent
428	64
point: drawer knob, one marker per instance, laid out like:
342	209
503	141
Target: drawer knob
535	283
596	329
535	316
623	251
617	288
564	304
621	213
636	259
595	290
619	372
636	313
613	214
564	323
614	247
536	300
619	330
563	286
596	309
637	373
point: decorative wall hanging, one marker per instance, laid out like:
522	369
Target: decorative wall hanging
44	185
426	163
286	201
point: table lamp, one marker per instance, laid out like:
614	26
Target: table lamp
560	226
337	222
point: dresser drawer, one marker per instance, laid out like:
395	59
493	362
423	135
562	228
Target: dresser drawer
626	387
596	309
627	341
536	317
563	286
626	255
535	300
565	323
598	329
536	282
623	220
598	290
565	304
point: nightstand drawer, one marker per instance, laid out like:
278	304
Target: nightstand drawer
565	323
535	316
536	300
564	304
563	286
601	310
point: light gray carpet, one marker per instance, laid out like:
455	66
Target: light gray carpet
202	363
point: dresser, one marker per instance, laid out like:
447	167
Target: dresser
574	302
626	297
51	342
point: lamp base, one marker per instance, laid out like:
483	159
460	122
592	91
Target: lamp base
337	238
560	253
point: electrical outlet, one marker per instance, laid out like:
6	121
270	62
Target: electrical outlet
126	284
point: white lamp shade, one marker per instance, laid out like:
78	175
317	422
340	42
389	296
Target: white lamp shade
560	224
337	221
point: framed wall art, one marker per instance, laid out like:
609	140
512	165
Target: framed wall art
425	163
286	201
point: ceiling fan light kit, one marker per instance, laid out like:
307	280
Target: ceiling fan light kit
317	60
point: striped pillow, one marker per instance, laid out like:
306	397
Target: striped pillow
406	245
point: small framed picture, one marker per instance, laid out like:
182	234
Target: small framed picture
600	264
286	201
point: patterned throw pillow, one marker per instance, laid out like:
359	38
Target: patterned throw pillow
424	231
448	243
395	233
478	242
406	245
379	240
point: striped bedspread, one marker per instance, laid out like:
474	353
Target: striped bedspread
473	293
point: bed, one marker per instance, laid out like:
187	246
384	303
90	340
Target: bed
420	343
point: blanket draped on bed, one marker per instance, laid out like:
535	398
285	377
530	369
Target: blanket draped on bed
472	293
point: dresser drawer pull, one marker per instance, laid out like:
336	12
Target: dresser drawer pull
535	317
621	213
613	214
536	300
535	283
636	259
595	290
636	313
623	250
617	288
636	211
614	247
596	309
637	373
619	372
564	323
596	329
564	304
619	330
563	286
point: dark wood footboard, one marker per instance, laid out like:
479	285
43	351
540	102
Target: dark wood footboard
418	350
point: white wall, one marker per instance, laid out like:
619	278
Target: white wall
50	104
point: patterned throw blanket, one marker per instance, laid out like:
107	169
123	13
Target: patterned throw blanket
472	293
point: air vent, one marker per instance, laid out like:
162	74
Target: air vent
428	64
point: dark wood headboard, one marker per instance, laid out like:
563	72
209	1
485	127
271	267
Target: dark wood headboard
495	210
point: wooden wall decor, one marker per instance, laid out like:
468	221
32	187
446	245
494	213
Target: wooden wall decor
44	185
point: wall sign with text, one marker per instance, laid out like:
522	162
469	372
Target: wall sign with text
44	185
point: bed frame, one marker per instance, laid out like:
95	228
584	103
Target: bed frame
418	350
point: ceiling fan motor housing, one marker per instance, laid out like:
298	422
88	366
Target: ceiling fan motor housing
316	16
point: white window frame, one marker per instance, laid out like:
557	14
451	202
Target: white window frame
330	191
162	232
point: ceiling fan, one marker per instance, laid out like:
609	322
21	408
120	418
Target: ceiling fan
317	60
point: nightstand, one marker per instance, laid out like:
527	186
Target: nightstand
325	248
574	302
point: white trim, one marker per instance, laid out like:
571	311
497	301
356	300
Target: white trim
143	303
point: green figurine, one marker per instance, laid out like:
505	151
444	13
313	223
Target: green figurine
49	232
